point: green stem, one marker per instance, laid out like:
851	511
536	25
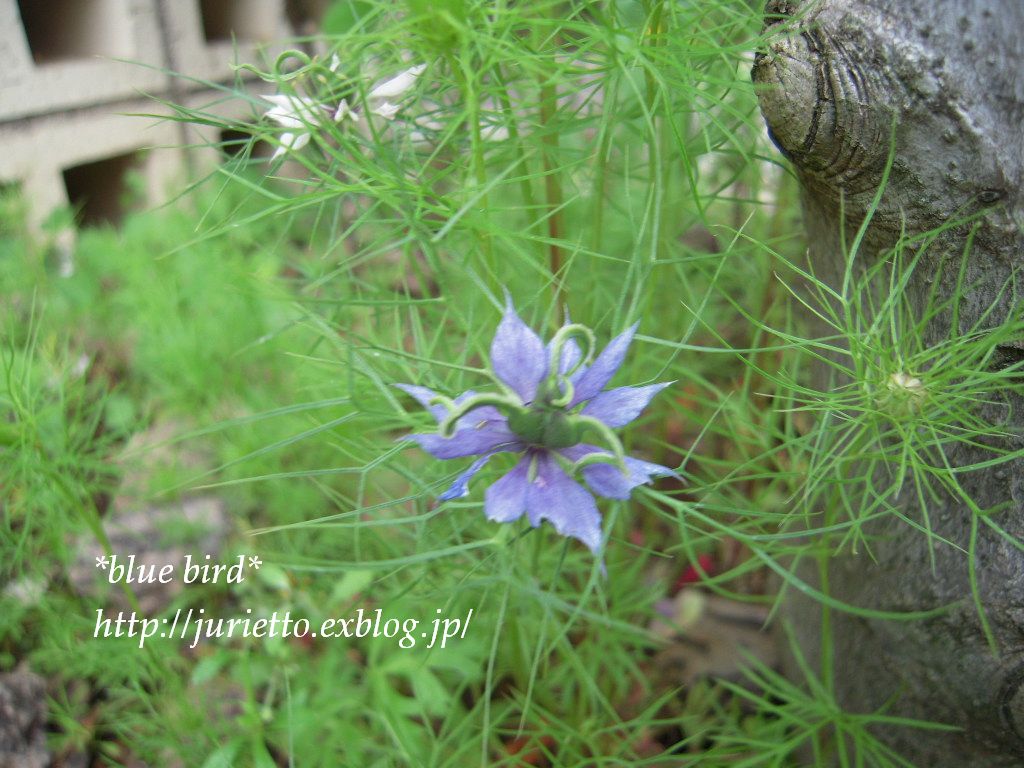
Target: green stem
463	71
827	650
526	189
552	185
660	167
601	175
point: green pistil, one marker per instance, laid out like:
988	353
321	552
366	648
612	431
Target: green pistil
596	458
610	438
557	387
565	386
456	412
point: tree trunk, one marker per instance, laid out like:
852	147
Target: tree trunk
950	77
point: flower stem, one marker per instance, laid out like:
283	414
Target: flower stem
552	185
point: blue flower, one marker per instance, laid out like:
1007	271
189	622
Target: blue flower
552	399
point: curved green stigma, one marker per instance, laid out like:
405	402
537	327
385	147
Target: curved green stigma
558	388
284	69
610	438
456	411
596	458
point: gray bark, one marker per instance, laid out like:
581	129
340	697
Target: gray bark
951	75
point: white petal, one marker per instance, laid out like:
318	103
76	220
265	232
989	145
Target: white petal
292	103
292	111
290	142
387	110
335	64
284	119
281	149
343	111
300	140
280	100
398	84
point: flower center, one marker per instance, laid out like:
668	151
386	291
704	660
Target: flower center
545	427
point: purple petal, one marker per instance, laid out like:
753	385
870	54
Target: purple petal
607	479
460	487
518	355
594	378
556	497
467	442
505	500
618	407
